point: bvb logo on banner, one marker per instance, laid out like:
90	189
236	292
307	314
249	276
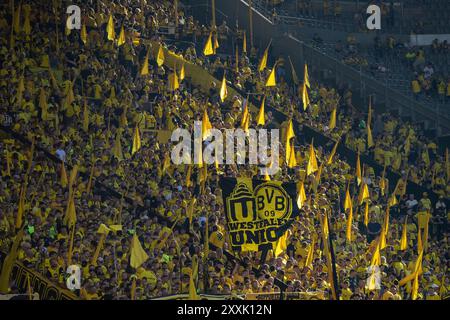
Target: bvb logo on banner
258	212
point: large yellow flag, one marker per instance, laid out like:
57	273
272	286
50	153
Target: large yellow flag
301	197
9	262
271	81
144	69
223	89
312	161
121	40
260	119
404	238
160	56
208	49
333	152
110	28
137	254
136	141
263	63
332	124
358	170
305	97
306	77
206	125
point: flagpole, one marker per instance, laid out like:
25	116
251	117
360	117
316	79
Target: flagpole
250	16
213	9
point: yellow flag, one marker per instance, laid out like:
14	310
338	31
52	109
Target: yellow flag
160	56
136	141
404	239
419	241
289	135
376	256
425	232
383	181
263	63
382	238
182	72
188	176
260	119
370	142
333	152
245	115
392	200
223	89
364	193
312	161
173	81
348	199
64	180
281	244
26	24
366	214
192	278
358	170
110	28
306	77
332	124
117	149
190	209
216	42
271	81
348	233
417	270
292	163
137	254
310	256
301	197
144	69
305	97
83	34
244	43
121	40
208	49
206	125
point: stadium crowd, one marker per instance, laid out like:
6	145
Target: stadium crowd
49	79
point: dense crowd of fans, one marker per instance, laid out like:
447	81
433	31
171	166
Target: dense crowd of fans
48	80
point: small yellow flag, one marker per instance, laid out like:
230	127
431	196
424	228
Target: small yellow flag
136	141
370	142
223	89
244	42
144	69
174	84
83	34
312	161
348	232
404	239
260	119
310	256
306	77
366	214
206	126
137	254
332	124
333	152
208	49
348	199
292	163
364	194
121	40
263	63
182	73
160	56
64	180
301	197
358	170
271	81
305	96
110	28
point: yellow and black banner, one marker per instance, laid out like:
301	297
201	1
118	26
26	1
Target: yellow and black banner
285	296
258	212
